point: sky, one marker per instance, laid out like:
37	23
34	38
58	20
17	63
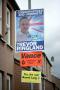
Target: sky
51	28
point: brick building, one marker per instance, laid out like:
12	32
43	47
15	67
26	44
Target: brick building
7	32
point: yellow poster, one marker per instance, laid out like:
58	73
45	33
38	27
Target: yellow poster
31	76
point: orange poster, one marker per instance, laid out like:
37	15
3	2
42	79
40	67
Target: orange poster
30	59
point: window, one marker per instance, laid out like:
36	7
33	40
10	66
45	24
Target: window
0	16
0	81
8	26
8	82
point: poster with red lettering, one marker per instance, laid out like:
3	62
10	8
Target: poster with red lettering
31	59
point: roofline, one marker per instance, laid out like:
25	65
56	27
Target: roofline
55	77
47	58
14	4
17	5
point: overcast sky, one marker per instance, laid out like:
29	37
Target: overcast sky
52	28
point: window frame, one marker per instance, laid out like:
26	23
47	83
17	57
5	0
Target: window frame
1	18
7	34
9	78
1	80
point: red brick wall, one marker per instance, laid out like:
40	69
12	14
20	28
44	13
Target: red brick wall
17	78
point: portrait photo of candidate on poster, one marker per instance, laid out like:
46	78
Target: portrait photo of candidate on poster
29	30
23	33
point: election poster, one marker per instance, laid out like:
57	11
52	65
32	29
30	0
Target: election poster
29	32
31	77
31	59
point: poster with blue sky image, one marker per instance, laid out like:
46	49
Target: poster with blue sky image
29	32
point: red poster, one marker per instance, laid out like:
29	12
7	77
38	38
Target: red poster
31	59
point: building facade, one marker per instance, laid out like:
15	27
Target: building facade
7	30
56	80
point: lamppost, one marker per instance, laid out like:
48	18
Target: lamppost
29	4
52	60
31	68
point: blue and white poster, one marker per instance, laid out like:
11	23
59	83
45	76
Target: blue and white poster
29	31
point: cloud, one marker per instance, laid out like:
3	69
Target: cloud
52	48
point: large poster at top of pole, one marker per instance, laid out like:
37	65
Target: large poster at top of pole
29	30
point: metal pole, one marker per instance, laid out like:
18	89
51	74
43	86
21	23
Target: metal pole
44	84
31	68
40	86
29	4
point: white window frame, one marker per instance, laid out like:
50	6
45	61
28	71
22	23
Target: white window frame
0	17
8	26
0	81
9	82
